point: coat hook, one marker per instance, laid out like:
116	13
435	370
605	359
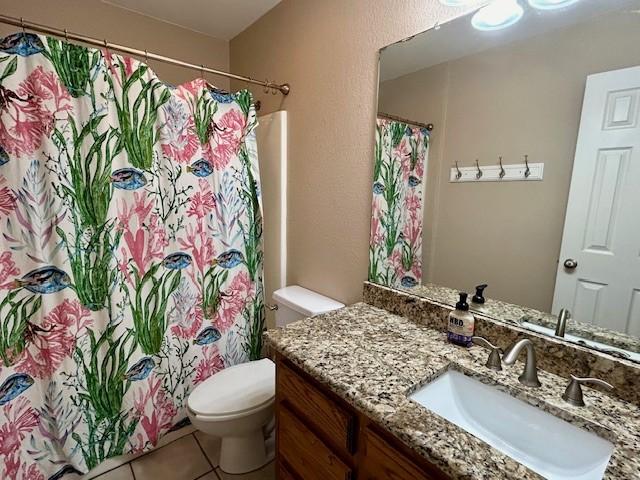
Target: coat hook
459	174
502	172
527	171
479	174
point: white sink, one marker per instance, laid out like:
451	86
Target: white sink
542	442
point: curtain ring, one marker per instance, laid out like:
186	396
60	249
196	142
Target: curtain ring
146	56
66	35
106	45
266	86
274	91
202	71
24	32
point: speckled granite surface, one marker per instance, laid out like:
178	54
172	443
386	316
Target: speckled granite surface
512	313
554	355
373	359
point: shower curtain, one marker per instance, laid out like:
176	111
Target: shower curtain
130	254
395	246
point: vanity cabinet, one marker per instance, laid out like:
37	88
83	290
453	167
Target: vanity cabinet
320	437
384	462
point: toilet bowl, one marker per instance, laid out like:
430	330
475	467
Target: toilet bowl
237	405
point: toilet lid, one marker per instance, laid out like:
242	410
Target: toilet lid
235	389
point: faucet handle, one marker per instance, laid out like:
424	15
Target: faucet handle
493	362
573	393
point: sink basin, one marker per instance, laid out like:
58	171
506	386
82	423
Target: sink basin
542	442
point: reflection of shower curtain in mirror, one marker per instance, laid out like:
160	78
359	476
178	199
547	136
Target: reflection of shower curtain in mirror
395	246
130	254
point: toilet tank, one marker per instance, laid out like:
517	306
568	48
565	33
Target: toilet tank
295	303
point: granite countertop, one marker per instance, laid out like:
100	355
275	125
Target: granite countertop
374	359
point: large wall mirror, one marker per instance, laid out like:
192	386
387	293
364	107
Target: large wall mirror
511	157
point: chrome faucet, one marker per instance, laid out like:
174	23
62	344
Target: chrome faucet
561	325
529	376
573	393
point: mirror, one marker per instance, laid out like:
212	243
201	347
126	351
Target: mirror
511	157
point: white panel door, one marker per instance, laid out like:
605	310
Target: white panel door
602	224
272	155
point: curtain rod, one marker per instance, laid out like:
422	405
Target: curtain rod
428	126
64	34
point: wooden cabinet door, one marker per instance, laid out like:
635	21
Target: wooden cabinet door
335	423
383	462
307	455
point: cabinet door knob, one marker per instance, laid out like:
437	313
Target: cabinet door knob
570	264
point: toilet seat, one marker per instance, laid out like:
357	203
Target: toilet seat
235	391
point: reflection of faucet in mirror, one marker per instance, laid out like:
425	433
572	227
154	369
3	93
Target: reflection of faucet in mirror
561	325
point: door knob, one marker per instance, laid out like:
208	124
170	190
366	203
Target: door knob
570	264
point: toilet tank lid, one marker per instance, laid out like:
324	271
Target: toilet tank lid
305	301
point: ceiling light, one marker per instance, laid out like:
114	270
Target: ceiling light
456	3
497	15
551	4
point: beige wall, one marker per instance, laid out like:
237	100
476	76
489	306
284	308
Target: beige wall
523	98
328	51
97	19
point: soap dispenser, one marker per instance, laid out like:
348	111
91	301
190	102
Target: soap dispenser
461	323
479	296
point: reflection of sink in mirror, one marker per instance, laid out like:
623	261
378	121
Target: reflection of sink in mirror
620	353
542	442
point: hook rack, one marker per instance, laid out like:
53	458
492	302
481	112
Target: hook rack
502	172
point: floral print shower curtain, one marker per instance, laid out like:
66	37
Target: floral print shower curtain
130	254
395	246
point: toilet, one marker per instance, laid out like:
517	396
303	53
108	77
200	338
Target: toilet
237	403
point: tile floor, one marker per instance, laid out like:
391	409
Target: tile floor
191	457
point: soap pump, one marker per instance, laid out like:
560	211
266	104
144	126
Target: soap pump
479	296
461	323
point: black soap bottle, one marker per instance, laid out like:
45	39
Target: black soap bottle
461	323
